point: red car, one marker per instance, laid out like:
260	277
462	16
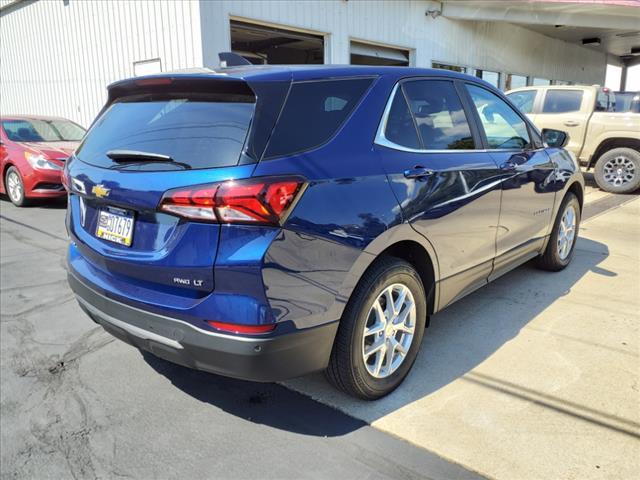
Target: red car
32	154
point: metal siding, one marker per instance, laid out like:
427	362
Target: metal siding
58	60
496	46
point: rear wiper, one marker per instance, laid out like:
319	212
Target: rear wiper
136	156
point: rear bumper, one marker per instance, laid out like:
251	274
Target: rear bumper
262	359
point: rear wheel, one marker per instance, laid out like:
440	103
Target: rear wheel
14	187
618	170
380	331
564	235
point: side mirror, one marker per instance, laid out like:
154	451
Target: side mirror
555	138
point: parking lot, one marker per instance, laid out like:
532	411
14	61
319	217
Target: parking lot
533	376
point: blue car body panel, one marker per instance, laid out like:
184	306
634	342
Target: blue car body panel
472	218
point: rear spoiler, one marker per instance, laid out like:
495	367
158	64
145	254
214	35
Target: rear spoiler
233	89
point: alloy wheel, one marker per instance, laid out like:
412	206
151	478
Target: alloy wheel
14	186
567	232
389	330
619	171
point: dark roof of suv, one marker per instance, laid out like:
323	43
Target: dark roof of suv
258	73
303	72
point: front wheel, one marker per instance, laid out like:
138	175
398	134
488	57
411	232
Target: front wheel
14	187
618	170
380	331
564	235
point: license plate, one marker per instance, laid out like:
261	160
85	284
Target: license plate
115	225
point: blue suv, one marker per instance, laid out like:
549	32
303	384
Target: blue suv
267	222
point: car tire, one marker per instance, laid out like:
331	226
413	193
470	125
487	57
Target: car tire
350	368
14	187
618	170
561	245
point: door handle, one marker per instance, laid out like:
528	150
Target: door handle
418	172
571	123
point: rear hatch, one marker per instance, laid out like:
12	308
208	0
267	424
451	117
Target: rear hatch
154	135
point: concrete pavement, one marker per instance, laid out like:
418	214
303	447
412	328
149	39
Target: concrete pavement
535	376
76	403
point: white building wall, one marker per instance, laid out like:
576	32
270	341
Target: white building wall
57	59
493	46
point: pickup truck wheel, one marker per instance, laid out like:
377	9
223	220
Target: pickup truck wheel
380	331
618	170
563	237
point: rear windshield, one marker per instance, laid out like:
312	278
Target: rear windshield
313	113
194	133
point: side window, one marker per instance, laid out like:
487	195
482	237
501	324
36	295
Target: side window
604	103
439	116
523	100
313	113
504	128
400	128
562	101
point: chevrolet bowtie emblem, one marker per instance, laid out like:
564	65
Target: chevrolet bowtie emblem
99	191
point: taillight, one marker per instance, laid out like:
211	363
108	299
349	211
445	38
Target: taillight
239	328
256	200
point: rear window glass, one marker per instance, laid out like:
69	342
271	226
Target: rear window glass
313	113
562	101
195	133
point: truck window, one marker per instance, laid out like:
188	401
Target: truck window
523	100
562	101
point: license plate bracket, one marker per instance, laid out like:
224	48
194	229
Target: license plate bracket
115	225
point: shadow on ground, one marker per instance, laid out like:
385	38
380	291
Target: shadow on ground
458	339
263	403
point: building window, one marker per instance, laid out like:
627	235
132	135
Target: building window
540	82
367	54
453	68
261	44
512	81
488	76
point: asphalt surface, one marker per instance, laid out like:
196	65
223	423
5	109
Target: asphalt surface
76	403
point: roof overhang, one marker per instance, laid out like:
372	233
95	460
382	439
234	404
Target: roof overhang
615	22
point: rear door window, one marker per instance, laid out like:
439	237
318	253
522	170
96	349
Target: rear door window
562	101
439	116
194	132
313	113
400	128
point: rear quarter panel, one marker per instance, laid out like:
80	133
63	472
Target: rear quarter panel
344	218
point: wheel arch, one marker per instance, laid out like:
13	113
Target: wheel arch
402	242
611	143
578	191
